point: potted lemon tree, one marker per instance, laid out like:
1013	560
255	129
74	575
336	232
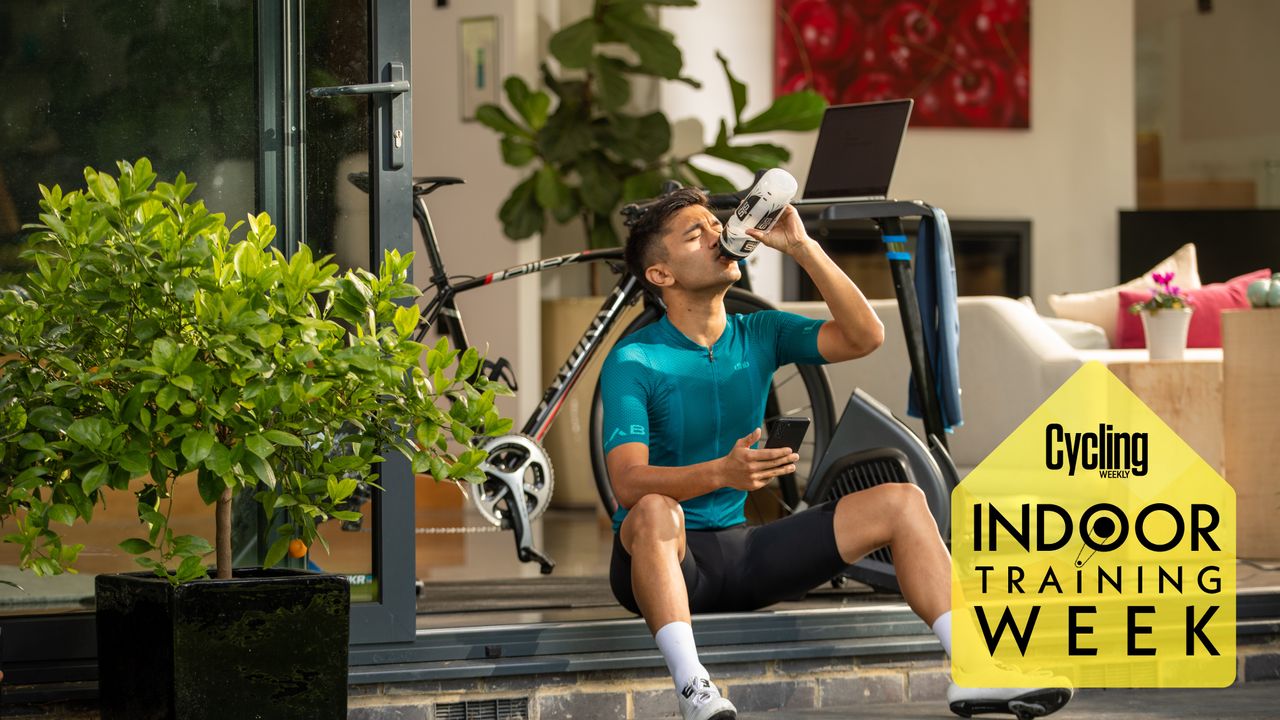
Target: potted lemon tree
150	347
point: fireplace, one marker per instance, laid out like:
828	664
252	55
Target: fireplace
992	257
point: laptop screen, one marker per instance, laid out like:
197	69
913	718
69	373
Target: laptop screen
857	149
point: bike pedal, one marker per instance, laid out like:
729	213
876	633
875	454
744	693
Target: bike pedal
545	564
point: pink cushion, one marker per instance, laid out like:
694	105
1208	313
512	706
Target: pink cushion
1206	320
1099	307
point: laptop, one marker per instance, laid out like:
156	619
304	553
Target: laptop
856	152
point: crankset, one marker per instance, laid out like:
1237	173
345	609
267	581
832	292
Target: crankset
516	491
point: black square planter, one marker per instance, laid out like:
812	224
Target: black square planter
266	644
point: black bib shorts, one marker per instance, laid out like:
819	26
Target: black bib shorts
745	568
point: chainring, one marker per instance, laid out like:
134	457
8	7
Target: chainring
516	456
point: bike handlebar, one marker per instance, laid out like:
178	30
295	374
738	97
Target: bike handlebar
716	201
725	201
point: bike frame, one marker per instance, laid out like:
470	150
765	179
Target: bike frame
443	307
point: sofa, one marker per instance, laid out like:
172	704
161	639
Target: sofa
1011	361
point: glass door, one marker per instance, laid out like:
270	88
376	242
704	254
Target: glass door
352	108
218	90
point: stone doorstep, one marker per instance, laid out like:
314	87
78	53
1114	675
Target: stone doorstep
647	692
753	687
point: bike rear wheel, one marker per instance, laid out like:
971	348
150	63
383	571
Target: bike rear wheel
797	390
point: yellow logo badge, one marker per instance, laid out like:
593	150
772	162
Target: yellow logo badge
1094	546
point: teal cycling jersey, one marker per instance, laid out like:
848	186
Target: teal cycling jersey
691	403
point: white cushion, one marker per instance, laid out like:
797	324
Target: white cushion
1079	335
1100	306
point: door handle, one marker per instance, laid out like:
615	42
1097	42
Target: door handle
396	87
383	88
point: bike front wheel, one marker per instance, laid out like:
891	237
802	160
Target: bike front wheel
797	390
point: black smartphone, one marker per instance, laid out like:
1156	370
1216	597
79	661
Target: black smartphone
787	432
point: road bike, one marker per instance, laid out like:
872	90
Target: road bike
519	476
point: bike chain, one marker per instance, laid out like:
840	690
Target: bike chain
460	530
465	530
446	530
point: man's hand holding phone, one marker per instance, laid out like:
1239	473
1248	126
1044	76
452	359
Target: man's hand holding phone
787	432
750	469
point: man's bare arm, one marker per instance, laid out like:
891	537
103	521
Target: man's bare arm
633	476
854	330
743	468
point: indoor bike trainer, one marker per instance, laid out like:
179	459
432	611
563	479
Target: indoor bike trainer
870	446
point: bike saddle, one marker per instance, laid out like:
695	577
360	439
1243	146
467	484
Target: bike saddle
427	185
421	185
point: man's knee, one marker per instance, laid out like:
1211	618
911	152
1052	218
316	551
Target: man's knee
909	495
655	517
893	502
658	510
904	498
872	518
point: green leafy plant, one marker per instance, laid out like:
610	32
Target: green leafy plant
587	155
148	349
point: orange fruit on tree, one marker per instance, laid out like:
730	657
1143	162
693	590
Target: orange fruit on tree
297	548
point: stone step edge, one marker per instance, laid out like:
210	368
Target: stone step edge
862	648
753	687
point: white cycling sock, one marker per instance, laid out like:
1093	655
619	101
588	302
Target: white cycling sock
675	642
942	628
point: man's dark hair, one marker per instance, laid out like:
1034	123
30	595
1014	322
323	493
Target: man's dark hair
644	245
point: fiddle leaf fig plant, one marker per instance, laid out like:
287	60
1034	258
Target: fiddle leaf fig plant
149	350
587	155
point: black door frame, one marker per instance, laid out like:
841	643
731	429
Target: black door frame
391	617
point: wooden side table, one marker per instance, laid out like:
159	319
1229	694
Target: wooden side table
1187	395
1251	408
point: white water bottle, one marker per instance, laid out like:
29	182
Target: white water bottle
760	210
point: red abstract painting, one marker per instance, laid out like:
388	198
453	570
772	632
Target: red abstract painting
967	63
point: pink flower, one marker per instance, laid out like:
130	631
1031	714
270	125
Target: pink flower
1166	296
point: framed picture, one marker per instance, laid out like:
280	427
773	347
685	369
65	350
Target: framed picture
480	77
967	63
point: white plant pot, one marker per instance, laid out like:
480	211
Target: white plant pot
1166	333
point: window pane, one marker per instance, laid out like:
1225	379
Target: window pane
90	82
337	131
1206	116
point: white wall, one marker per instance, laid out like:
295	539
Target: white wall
743	31
506	316
1069	174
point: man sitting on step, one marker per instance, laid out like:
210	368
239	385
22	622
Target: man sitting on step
683	402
